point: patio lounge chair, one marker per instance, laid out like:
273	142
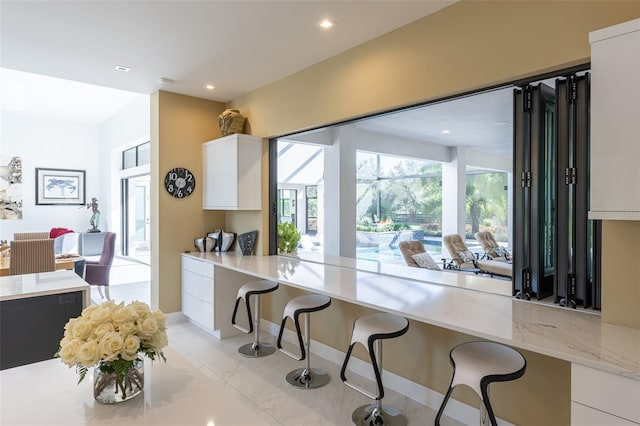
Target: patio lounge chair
415	255
463	259
491	248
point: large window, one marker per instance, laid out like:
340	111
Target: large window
397	198
487	206
460	166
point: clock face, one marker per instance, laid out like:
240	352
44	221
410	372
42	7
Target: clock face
180	182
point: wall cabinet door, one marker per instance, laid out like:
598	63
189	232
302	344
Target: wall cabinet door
615	122
232	173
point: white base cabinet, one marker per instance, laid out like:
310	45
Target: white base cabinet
209	295
615	122
600	398
232	173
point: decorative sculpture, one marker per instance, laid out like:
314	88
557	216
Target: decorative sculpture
231	121
246	241
95	217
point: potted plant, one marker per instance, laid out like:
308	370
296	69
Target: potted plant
288	237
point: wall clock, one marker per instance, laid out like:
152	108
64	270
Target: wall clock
180	182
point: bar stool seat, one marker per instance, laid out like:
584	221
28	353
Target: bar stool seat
253	288
370	330
307	377
477	365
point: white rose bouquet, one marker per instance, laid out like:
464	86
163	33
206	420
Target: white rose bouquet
112	337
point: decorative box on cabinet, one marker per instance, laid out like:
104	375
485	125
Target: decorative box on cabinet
232	173
601	398
209	295
615	123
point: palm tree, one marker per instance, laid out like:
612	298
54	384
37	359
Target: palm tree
476	203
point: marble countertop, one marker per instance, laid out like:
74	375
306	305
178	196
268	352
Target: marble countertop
14	287
562	333
175	393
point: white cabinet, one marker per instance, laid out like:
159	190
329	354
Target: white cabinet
209	294
232	173
197	292
600	398
615	122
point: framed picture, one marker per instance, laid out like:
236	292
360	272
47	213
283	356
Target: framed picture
60	187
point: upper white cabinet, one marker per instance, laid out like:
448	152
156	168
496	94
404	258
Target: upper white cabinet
232	173
615	122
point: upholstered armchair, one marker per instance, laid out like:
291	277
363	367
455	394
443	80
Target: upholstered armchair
97	273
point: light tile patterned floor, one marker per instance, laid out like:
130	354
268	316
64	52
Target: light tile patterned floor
262	380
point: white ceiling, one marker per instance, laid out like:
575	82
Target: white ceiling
238	46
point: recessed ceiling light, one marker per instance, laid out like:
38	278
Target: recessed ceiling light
445	131
326	24
122	68
209	86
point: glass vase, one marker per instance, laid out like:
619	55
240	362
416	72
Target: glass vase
109	388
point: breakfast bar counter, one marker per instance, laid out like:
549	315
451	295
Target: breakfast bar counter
574	336
33	311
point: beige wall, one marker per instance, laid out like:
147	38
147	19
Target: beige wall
621	272
468	46
179	126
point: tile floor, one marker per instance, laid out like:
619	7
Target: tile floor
260	381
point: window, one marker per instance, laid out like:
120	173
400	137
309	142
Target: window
136	156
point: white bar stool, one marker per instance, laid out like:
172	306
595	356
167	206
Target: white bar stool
368	330
307	377
477	365
253	288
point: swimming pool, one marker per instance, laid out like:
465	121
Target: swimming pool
391	254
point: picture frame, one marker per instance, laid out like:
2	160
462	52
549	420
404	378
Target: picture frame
60	187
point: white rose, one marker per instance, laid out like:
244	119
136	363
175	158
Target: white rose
159	340
102	329
147	327
161	319
89	354
89	310
131	348
141	308
124	314
82	329
68	351
111	345
127	328
102	314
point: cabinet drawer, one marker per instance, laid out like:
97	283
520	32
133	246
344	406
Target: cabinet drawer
198	286
606	392
197	266
581	415
199	311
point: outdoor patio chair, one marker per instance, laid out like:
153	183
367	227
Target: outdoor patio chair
491	248
415	255
465	260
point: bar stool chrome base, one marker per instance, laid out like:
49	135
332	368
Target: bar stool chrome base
372	415
253	350
307	377
311	378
